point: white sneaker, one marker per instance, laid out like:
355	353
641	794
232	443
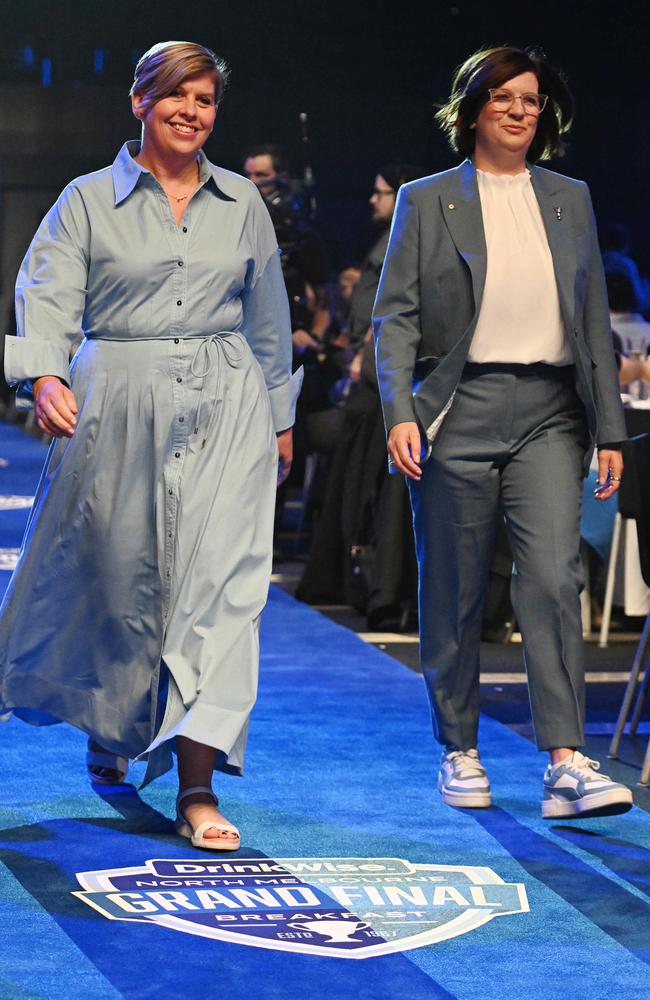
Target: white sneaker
463	781
575	788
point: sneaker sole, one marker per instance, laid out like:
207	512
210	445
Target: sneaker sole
602	804
466	800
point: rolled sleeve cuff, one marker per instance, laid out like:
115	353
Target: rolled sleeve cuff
283	400
29	359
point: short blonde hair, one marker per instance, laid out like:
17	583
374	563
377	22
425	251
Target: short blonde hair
167	64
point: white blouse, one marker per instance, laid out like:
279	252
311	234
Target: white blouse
520	320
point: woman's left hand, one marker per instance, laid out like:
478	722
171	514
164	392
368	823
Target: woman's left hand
610	470
285	454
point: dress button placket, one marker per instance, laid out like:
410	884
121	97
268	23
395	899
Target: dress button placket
179	353
174	463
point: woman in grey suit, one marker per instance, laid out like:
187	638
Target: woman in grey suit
498	378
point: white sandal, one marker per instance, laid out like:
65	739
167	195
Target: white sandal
99	759
184	829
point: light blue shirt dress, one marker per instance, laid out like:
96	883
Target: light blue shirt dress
134	609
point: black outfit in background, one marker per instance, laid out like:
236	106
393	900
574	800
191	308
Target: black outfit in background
365	290
363	551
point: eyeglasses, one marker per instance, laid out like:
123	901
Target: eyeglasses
532	103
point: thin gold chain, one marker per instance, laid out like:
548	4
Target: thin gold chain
184	197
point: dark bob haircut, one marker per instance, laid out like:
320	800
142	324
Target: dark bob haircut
492	68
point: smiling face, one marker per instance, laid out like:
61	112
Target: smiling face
504	137
177	126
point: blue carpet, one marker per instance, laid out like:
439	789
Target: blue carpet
341	764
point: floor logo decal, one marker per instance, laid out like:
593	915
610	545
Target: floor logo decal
15	503
339	907
9	558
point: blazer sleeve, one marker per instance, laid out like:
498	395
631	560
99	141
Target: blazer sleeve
51	293
598	337
396	316
266	321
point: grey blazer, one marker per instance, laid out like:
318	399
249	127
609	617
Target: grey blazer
431	287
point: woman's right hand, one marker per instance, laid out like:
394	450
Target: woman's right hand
55	406
404	448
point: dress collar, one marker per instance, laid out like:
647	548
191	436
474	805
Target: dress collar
127	173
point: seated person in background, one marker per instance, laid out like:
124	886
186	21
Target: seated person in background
615	249
629	369
347	282
327	359
363	551
624	296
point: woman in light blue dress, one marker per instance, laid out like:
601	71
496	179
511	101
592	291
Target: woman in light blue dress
134	609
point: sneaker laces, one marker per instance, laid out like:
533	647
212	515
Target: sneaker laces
467	760
580	763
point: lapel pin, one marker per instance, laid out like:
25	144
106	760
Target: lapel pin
451	205
558	213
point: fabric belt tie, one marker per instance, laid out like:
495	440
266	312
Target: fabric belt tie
218	349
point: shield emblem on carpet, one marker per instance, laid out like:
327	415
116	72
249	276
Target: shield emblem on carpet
337	907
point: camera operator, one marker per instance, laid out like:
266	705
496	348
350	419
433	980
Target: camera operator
316	344
304	263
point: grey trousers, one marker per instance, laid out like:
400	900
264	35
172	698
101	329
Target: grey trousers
512	445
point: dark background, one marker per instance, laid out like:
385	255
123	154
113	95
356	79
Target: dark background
368	74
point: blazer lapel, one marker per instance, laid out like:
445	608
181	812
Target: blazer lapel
558	222
461	209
